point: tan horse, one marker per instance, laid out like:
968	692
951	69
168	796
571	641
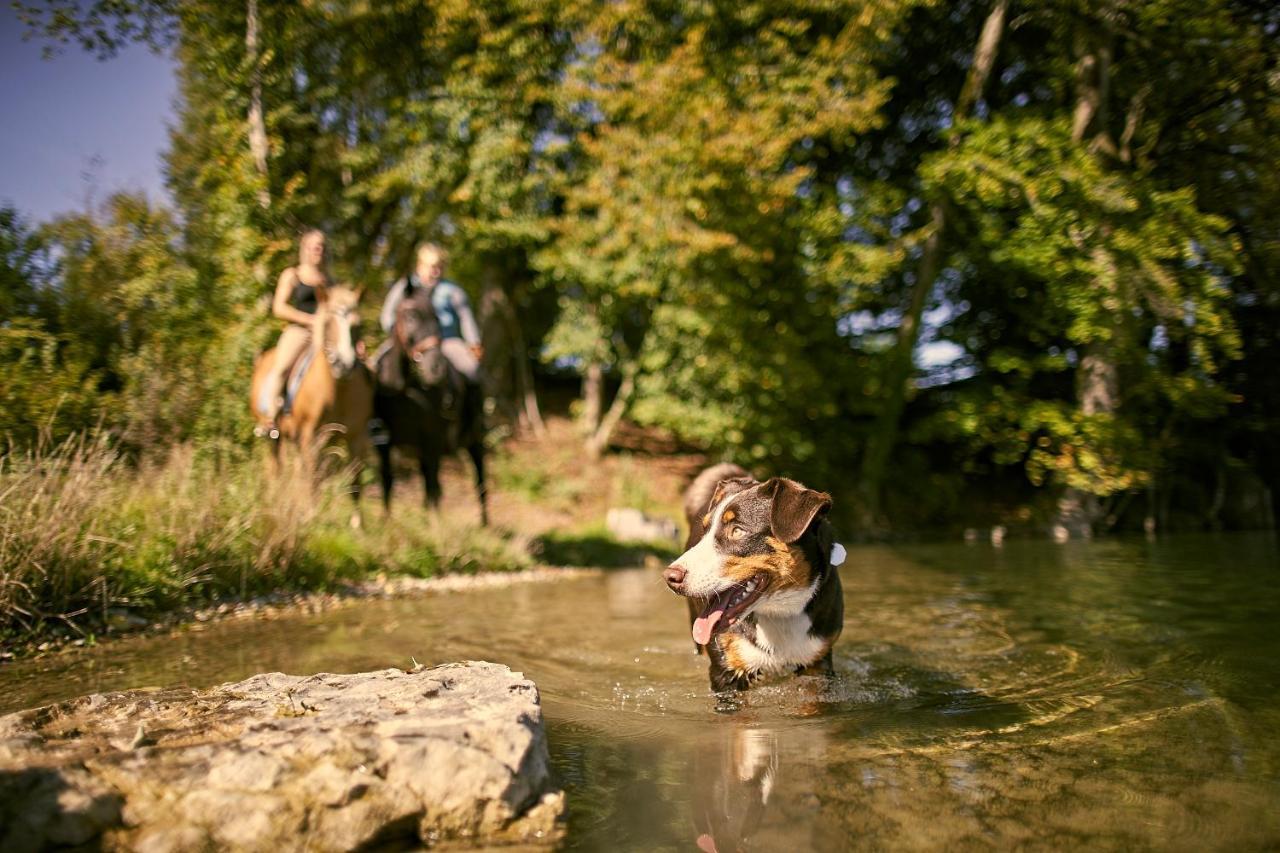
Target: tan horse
335	394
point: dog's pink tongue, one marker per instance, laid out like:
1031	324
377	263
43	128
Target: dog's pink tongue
704	625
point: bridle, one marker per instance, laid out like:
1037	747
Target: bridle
428	370
337	364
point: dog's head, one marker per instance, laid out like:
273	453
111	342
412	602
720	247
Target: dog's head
765	549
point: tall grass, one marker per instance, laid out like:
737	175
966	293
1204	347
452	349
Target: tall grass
85	533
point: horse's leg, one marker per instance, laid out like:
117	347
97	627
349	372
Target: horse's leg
476	449
430	465
384	470
357	446
309	453
274	457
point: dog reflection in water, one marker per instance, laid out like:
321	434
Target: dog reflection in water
733	779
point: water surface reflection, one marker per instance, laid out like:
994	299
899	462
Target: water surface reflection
1112	695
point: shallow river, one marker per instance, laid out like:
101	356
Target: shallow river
1115	695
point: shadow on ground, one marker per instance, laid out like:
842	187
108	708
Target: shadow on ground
598	550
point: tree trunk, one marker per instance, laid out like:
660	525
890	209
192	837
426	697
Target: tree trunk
1098	376
530	414
599	440
885	433
898	373
593	380
257	120
592	396
506	357
499	350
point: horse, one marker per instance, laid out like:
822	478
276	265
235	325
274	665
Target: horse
336	390
412	406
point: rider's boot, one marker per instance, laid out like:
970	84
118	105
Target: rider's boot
271	428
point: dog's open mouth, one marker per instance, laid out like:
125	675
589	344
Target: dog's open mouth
724	608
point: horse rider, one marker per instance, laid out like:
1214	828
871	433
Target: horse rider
459	335
299	292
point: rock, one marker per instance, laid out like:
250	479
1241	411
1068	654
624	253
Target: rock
627	524
280	762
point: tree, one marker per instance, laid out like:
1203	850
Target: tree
932	255
689	229
1122	278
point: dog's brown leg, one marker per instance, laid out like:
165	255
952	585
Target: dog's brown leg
723	676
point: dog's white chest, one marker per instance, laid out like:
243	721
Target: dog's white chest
780	645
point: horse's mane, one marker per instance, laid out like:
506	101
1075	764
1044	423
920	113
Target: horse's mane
340	294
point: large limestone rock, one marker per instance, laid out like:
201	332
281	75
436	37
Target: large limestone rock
279	762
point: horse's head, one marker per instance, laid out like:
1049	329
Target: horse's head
417	334
340	329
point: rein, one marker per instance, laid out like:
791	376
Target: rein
401	335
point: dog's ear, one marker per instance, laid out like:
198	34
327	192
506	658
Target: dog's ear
794	508
722	488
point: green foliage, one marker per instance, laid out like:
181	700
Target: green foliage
725	206
46	391
48	386
689	227
1104	242
1112	262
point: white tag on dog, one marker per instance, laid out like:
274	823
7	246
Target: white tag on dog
838	554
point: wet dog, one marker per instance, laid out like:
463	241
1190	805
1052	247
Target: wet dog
759	571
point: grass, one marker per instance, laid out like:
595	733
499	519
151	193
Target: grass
91	542
86	536
547	479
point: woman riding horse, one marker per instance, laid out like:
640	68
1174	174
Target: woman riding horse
299	292
335	388
428	405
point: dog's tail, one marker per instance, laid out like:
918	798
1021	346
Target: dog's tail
700	491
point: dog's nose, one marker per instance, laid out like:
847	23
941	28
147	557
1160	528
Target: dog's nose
674	576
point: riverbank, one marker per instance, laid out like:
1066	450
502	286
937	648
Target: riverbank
280	604
93	546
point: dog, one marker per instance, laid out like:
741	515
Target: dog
760	574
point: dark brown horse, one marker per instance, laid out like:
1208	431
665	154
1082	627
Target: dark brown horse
425	405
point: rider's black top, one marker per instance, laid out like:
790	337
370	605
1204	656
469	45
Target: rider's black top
303	296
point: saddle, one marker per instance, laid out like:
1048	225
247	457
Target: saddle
294	382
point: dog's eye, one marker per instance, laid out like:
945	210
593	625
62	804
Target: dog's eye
736	531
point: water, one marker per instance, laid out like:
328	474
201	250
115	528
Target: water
1113	695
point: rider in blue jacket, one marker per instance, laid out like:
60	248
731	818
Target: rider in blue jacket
459	334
